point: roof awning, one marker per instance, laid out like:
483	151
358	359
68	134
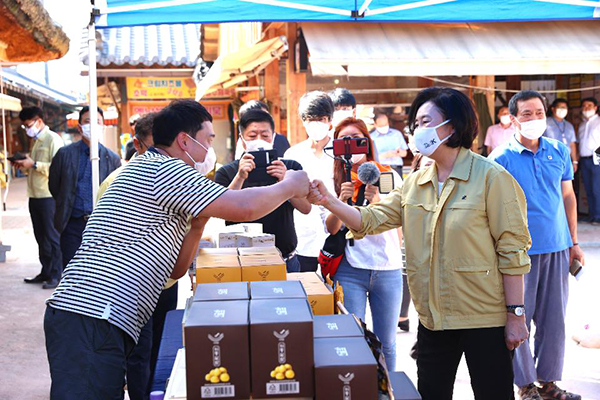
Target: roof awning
238	67
9	103
510	48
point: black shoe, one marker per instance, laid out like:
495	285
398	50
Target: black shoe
37	279
51	284
404	325
585	219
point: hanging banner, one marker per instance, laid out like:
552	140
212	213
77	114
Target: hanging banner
161	88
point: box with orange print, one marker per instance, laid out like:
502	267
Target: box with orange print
281	345
217	350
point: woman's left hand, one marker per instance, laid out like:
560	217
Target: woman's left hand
515	331
372	194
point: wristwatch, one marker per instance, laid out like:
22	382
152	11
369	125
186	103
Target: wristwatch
518	310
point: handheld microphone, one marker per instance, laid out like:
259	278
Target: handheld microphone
368	173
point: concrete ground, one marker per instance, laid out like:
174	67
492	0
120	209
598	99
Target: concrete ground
24	368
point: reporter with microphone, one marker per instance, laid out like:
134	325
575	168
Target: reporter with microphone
370	268
466	249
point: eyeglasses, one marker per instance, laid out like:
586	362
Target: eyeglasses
25	127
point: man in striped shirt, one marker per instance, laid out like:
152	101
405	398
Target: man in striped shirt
130	245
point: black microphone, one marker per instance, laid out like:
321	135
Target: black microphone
368	173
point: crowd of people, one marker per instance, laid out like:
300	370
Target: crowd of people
476	286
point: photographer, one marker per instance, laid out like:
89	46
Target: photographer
371	268
466	279
257	132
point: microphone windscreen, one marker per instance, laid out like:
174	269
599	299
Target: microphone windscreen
368	173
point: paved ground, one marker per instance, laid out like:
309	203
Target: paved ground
24	368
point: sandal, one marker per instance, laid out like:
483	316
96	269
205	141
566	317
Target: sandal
529	392
550	391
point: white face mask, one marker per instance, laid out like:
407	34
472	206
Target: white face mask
86	131
257	144
533	129
340	115
505	119
383	129
210	159
427	140
356	158
33	131
589	113
561	112
317	130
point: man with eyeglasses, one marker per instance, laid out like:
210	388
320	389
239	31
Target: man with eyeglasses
41	204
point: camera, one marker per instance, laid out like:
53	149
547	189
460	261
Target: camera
347	146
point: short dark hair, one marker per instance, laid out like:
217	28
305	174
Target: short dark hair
31	113
454	106
253	105
143	126
315	105
590	99
342	98
558	101
179	116
256	115
524	95
86	109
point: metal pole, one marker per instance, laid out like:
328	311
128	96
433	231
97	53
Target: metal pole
93	109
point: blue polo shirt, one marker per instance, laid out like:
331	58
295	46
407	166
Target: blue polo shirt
540	175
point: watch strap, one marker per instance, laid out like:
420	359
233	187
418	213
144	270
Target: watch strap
512	307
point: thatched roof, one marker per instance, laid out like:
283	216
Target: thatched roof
29	33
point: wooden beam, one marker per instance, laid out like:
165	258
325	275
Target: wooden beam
295	88
272	87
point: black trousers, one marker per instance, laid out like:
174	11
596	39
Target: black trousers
46	236
488	360
138	365
308	264
70	238
166	302
87	356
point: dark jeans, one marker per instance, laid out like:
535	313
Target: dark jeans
590	174
166	302
138	365
293	265
405	296
308	264
46	236
87	356
70	238
488	360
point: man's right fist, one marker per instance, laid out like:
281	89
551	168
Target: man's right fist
300	182
246	166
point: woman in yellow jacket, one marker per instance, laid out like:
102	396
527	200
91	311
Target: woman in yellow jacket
466	236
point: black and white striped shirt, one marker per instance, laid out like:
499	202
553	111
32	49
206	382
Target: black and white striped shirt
132	240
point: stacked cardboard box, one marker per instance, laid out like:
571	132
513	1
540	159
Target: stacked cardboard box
320	295
245	235
225	265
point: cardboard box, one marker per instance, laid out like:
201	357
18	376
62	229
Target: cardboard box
281	344
217	251
217	269
344	369
259	251
320	295
228	236
255	240
336	326
216	334
276	290
403	387
222	291
263	268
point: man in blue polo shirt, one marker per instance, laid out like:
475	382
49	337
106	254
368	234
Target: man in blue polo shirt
543	168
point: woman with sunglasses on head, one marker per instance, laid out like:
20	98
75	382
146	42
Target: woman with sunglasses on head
466	249
370	268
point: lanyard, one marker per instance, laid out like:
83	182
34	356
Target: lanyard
562	130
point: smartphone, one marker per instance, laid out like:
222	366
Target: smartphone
263	158
576	269
16	157
348	146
